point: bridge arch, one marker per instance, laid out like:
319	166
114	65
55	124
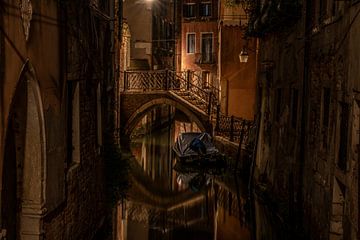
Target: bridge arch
145	108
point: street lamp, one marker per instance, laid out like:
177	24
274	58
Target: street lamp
244	55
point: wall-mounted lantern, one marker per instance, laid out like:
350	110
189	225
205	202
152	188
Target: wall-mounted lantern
244	55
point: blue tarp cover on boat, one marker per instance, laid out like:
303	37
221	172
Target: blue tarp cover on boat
194	144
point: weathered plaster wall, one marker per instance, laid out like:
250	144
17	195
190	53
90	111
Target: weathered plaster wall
188	60
138	15
238	79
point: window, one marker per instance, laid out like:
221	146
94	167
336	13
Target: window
206	47
326	107
322	10
98	117
73	124
205	9
344	131
314	14
76	126
206	79
294	107
338	207
278	97
189	10
190	43
325	116
336	7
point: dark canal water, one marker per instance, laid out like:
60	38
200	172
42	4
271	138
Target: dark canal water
162	205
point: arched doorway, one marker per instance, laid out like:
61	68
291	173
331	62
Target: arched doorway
23	176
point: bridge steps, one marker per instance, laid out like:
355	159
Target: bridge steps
193	99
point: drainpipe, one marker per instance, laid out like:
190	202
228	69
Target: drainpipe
304	115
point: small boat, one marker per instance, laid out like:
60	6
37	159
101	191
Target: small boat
196	151
198	160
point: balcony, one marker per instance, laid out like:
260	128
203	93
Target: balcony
273	16
205	58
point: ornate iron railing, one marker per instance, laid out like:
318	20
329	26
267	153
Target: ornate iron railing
208	85
170	80
146	80
233	128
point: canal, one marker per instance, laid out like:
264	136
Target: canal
164	203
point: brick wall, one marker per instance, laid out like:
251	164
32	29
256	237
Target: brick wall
80	215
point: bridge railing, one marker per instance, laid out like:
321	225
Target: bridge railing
171	80
208	85
145	80
207	99
233	128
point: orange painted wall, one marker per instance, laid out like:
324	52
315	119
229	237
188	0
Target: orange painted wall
188	60
240	78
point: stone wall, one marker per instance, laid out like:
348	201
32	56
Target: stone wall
81	214
322	183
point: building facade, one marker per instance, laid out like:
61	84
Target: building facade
152	34
197	43
53	60
307	157
237	79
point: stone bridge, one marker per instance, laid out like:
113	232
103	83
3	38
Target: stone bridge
134	106
144	90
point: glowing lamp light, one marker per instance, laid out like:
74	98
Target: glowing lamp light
244	56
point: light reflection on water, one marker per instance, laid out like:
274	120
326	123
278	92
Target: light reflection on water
159	206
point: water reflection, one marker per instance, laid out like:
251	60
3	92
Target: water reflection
160	206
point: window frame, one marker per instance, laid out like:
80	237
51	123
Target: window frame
325	116
99	120
278	96
343	135
212	44
194	10
294	121
187	42
205	3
